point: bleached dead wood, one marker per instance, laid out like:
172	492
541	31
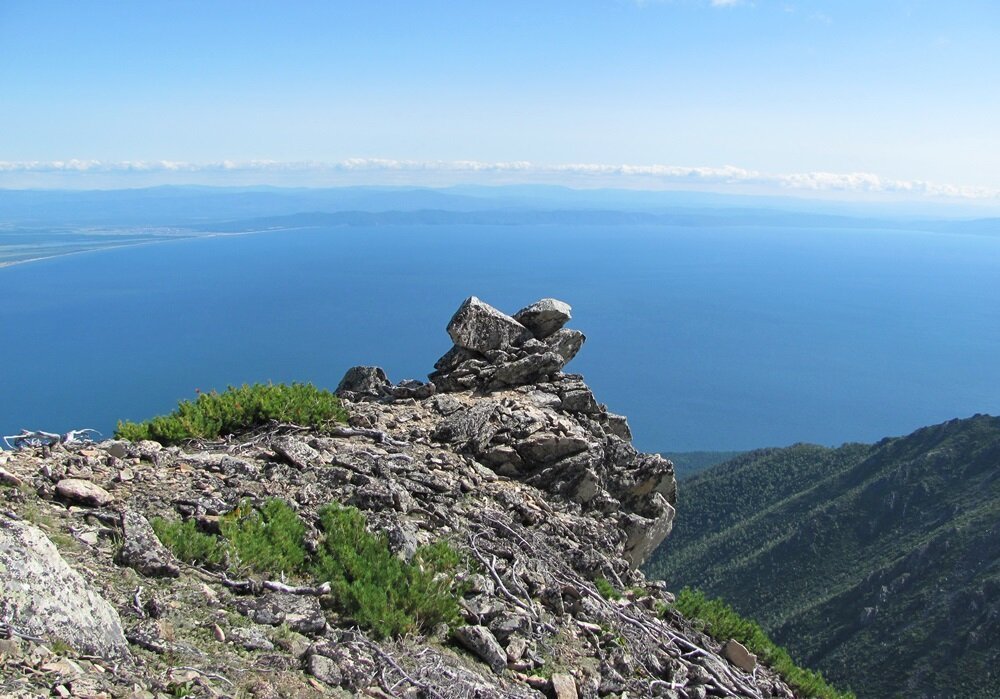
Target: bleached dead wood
41	438
255	587
430	691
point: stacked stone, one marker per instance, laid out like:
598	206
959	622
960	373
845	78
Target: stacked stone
494	350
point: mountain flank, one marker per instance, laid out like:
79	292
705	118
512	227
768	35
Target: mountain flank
479	535
688	463
877	564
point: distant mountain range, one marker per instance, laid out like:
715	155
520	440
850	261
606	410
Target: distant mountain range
250	208
37	224
877	564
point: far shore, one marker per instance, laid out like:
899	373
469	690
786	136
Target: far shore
140	243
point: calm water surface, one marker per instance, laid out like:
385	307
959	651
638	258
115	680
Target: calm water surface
706	339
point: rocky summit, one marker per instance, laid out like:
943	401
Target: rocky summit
511	462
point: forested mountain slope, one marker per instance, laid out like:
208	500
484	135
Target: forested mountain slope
688	463
879	565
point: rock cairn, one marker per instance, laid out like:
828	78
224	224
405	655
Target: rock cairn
522	417
493	350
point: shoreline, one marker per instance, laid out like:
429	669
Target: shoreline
13	263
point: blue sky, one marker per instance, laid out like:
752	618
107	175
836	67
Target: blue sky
887	97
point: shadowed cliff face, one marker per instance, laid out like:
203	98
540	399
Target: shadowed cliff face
510	462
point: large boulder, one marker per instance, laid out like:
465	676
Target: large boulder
479	327
544	317
44	597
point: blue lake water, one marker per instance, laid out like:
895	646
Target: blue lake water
707	339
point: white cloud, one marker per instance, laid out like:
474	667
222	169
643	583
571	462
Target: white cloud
713	3
516	170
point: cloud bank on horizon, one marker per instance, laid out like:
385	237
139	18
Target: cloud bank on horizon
76	173
825	98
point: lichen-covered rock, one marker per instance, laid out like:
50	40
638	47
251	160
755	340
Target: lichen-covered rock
494	351
43	596
566	343
324	669
529	369
544	317
295	451
250	638
644	534
411	388
480	640
362	381
479	327
142	550
301	613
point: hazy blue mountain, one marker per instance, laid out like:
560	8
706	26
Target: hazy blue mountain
189	205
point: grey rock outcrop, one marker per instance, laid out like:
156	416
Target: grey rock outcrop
515	412
564	686
43	596
300	613
566	343
544	317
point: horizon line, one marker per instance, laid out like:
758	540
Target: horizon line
516	172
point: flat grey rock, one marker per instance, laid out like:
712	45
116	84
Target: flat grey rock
82	492
544	317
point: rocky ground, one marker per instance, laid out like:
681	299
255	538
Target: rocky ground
504	456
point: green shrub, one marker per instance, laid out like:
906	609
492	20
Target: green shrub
190	545
721	622
606	589
212	415
268	540
368	582
377	589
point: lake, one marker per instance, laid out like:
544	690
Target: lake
714	339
